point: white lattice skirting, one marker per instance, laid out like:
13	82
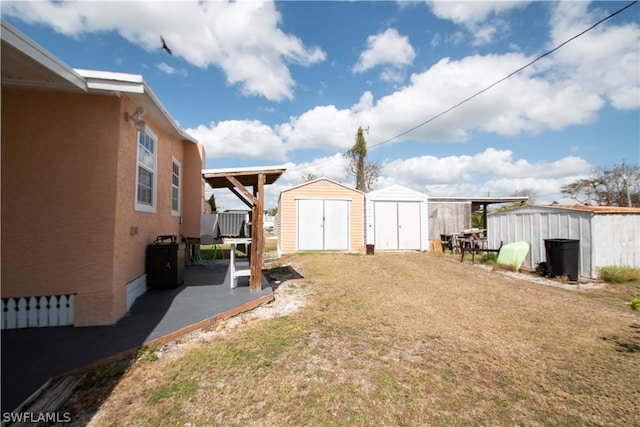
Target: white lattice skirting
135	288
37	312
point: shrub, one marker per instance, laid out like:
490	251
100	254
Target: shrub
635	304
103	375
489	258
147	354
615	274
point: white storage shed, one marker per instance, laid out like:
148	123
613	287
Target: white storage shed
609	236
397	219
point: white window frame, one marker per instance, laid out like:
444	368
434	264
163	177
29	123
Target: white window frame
141	206
175	163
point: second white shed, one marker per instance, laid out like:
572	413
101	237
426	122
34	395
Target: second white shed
397	219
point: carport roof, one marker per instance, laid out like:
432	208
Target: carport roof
217	178
480	200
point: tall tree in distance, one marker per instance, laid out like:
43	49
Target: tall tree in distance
617	186
366	173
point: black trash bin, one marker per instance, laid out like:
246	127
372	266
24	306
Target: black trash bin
165	263
563	257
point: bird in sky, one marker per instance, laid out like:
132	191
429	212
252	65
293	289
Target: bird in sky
165	47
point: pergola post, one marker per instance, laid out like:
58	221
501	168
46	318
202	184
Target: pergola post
237	180
257	235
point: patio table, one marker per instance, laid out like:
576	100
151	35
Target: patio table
236	270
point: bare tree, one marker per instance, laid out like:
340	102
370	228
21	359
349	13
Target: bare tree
366	173
309	177
528	192
616	186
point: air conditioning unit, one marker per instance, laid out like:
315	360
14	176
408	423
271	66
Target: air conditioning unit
233	224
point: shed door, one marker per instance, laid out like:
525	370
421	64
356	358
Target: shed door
336	225
409	225
323	225
397	225
385	216
310	225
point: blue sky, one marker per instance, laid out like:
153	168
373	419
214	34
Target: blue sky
263	83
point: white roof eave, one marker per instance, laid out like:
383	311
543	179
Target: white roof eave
39	55
133	84
112	82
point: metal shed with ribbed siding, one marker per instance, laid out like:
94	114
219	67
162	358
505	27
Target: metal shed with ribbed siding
609	236
320	215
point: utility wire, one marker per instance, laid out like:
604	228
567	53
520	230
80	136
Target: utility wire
504	78
464	101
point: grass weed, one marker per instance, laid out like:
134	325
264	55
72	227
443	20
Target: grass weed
619	274
402	339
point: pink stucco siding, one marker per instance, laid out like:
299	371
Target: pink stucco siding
68	189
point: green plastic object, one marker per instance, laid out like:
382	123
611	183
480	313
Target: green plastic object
513	254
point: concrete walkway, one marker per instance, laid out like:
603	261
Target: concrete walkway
30	357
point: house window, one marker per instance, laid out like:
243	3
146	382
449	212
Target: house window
175	187
146	172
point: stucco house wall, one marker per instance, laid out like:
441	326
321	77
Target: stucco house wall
68	191
59	171
68	165
319	189
134	229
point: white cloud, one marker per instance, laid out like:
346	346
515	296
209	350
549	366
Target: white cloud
523	104
332	167
456	38
168	69
392	75
606	60
436	40
321	127
386	48
470	12
491	171
563	90
481	18
242	38
248	139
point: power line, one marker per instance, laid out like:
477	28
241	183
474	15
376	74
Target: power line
464	101
504	78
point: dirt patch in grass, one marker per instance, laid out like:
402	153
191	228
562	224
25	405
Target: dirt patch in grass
393	339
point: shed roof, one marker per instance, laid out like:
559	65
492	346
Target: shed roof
396	190
321	179
28	65
577	208
597	209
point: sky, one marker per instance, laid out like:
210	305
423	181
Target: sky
263	83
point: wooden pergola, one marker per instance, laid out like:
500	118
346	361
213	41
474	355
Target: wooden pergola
237	180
